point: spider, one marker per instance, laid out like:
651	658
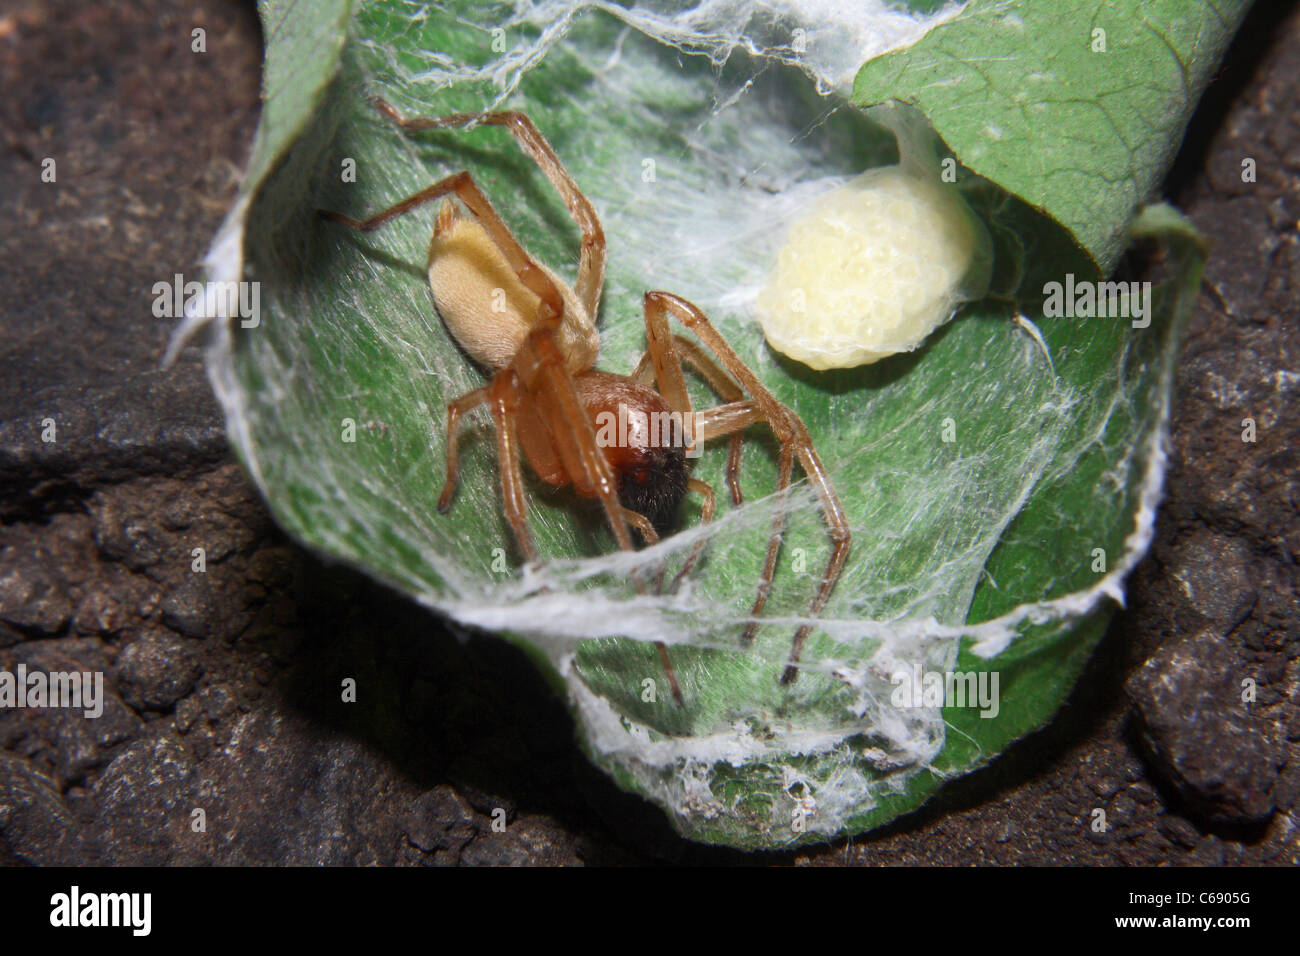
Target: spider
538	338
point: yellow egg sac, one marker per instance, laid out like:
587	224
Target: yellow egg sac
871	270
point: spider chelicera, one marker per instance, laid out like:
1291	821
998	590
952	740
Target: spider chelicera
549	404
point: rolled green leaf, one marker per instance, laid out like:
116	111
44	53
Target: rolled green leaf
1000	480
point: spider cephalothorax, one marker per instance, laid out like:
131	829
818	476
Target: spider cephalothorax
625	441
643	442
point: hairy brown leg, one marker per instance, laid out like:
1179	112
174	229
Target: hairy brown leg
455	409
726	419
719	381
505	400
651	537
642	525
839	531
467	191
591	263
795	443
662	363
773	544
705	491
541	368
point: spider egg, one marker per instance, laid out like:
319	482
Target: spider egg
871	270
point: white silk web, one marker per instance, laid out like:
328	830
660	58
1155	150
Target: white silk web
734	103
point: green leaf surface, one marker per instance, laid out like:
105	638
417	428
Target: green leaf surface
980	474
1076	106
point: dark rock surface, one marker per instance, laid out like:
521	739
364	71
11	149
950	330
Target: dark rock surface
156	670
147	139
1201	733
225	736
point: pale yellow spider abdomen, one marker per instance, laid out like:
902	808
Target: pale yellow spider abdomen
486	306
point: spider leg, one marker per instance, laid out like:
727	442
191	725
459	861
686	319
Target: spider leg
549	385
773	544
455	409
504	399
795	443
838	526
541	368
719	381
731	419
591	264
662	364
468	192
705	491
504	395
651	537
726	419
643	525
